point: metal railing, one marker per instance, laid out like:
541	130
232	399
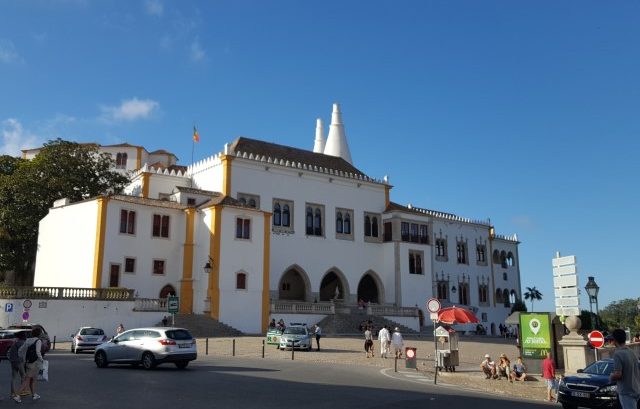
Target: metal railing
67	293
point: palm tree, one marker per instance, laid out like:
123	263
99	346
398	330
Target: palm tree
532	294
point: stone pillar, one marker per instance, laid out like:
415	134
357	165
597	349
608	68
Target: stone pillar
577	354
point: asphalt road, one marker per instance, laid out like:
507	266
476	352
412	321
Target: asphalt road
228	382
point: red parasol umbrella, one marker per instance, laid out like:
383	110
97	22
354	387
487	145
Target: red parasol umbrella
456	315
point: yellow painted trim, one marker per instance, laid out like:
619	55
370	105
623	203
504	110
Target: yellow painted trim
98	253
139	157
186	284
145	184
386	196
266	259
214	252
226	174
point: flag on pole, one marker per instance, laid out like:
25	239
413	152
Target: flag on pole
196	137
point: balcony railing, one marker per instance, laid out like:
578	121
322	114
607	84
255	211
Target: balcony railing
67	293
301	307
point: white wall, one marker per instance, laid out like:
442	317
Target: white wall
409	322
62	317
159	183
66	246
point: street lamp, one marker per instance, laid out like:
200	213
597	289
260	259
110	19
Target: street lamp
592	290
207	267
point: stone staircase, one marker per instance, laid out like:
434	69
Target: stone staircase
203	326
347	324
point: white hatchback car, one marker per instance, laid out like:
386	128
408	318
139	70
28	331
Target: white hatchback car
149	347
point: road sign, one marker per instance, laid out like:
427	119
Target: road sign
8	307
433	305
565	281
27	304
173	305
433	316
565	270
567	302
25	315
596	338
564	261
566	292
567	311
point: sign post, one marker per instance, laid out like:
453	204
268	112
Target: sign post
596	338
173	306
565	285
433	305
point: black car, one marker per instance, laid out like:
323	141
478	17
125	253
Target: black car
590	387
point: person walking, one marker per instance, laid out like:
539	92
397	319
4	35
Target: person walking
549	374
31	351
17	364
397	342
318	333
384	337
120	329
626	372
368	342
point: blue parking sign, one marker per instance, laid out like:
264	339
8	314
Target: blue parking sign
8	307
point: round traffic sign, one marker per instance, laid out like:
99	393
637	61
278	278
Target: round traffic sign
27	304
433	305
596	338
411	353
25	315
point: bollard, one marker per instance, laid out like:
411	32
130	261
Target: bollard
395	364
263	348
292	349
234	347
54	342
206	346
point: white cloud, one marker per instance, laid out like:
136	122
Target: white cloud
154	7
8	52
15	137
130	110
196	51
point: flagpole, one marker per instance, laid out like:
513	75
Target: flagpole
193	147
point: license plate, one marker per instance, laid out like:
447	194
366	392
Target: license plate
184	346
580	394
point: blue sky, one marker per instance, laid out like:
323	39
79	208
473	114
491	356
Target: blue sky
526	112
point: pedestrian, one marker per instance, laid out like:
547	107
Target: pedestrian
368	342
164	321
17	364
397	342
384	337
549	374
31	351
318	333
626	372
120	329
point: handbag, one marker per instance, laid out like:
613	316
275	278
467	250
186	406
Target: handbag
43	374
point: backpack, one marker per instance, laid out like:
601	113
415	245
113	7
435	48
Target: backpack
32	355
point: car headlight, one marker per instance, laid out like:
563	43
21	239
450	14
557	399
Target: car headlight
611	389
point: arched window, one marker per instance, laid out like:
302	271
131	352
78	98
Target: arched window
277	215
241	281
309	221
374	227
339	223
505	298
496	257
317	223
498	295
510	260
367	226
347	224
286	219
503	259
252	203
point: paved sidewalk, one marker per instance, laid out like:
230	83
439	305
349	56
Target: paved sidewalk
350	351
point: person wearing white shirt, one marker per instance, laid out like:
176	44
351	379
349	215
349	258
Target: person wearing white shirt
384	337
318	333
397	342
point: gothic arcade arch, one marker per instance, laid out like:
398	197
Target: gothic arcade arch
334	278
294	284
370	288
167	290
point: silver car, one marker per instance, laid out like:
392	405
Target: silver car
87	338
149	347
296	336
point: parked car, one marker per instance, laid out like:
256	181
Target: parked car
590	387
44	336
87	339
296	336
7	338
149	347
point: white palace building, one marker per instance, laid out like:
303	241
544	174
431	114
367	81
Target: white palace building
259	230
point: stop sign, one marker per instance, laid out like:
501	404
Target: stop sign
596	339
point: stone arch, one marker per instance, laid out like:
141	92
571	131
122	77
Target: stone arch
370	288
505	297
334	278
499	296
294	284
167	290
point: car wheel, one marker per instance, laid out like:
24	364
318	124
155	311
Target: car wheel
72	347
75	349
101	359
182	364
148	360
568	406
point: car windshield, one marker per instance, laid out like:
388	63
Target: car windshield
295	331
91	331
7	335
178	334
599	368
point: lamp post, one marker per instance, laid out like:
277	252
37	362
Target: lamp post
592	290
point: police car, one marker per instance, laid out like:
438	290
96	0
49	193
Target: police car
296	336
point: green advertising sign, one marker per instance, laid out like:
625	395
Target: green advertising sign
535	335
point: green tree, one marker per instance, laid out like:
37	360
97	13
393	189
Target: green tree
28	189
532	294
621	314
519	305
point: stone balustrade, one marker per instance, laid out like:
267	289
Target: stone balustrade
68	293
150	304
301	307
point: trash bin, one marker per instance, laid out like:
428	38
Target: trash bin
410	357
447	340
